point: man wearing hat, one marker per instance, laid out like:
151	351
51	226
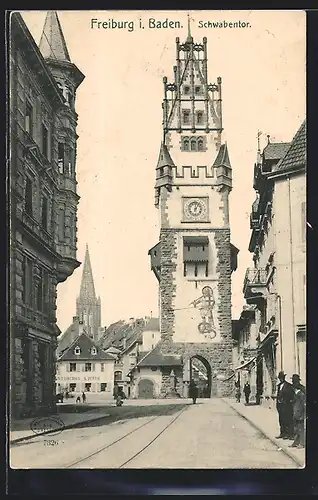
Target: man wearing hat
299	412
284	405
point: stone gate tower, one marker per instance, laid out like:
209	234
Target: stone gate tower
194	259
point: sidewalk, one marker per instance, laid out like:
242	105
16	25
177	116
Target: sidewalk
265	420
23	428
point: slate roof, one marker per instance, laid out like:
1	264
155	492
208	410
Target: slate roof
116	333
156	358
52	43
222	159
85	344
275	150
152	325
164	158
68	336
296	155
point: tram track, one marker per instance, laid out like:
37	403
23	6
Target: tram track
126	436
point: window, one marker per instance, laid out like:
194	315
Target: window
193	145
153	368
45	139
77	351
88	386
186	89
88	367
199	117
186	116
186	144
207	269
103	386
28	197
44	213
197	89
184	269
117	376
195	269
72	367
102	367
39	291
153	335
27	282
61	225
29	119
72	387
61	157
93	351
69	163
200	145
161	172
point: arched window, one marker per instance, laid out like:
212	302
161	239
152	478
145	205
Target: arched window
118	376
199	117
193	145
77	351
186	144
200	144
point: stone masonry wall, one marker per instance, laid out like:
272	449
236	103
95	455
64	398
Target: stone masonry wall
219	356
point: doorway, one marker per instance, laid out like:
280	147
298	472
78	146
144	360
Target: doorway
201	373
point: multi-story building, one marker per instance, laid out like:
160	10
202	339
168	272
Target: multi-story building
43	204
276	286
194	258
85	367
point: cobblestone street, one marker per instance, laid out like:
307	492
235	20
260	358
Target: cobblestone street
172	434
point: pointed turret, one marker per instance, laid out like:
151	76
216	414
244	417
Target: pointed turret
163	171
52	43
223	167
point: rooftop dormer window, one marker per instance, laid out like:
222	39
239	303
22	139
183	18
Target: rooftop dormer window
93	351
77	351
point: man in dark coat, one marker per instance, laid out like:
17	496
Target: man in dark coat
284	405
247	392
299	412
193	391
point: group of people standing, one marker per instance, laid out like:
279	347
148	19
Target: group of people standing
291	407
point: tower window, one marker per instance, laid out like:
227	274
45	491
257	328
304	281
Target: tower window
61	157
193	145
207	269
199	117
184	269
186	144
200	145
186	116
29	119
29	196
161	172
45	139
195	269
44	212
197	89
186	89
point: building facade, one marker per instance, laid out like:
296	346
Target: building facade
43	205
88	306
194	258
85	367
276	286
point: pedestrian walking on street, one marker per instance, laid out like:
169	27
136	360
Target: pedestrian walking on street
284	405
84	397
299	412
78	399
247	392
193	391
238	391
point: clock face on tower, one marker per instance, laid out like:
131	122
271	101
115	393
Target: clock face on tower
195	209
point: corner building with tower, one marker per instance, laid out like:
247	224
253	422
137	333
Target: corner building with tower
194	258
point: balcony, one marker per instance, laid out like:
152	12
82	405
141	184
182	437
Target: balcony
254	287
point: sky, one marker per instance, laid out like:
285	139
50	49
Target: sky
263	70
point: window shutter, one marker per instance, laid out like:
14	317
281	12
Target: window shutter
68	367
83	367
78	367
93	367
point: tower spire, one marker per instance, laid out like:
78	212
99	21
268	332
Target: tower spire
52	42
189	38
87	290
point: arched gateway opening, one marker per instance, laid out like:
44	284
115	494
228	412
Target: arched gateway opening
201	373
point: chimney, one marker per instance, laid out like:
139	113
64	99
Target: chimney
124	343
131	321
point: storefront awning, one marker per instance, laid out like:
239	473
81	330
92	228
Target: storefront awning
246	364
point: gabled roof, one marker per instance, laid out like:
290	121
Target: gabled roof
296	155
68	337
52	43
152	325
275	150
222	159
85	344
120	332
164	157
156	358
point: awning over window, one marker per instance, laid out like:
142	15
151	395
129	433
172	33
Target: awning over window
196	240
246	364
